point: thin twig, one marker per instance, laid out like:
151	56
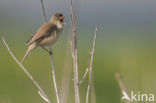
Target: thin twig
91	66
92	92
122	87
75	61
83	76
53	74
51	57
43	12
27	73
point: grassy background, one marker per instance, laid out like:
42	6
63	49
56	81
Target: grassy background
125	43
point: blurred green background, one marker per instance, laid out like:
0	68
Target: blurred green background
125	43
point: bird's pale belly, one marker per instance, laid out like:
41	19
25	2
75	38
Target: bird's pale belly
50	40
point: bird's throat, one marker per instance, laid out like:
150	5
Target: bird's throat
59	25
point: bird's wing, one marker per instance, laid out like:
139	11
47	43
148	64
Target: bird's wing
44	31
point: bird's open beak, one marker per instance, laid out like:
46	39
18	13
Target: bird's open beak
62	20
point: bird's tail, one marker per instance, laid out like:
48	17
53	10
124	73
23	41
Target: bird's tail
30	49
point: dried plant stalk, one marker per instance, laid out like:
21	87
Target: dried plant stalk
74	55
91	66
42	93
51	57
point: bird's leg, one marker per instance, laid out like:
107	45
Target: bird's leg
45	49
50	51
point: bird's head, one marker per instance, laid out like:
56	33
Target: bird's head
57	19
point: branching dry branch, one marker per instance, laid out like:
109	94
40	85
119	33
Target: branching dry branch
74	54
91	66
51	57
122	87
42	93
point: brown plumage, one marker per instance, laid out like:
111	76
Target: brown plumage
46	35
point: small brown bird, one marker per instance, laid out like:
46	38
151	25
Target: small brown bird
46	35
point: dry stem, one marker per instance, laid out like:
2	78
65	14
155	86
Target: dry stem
51	57
54	78
42	93
84	76
74	53
43	12
91	66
